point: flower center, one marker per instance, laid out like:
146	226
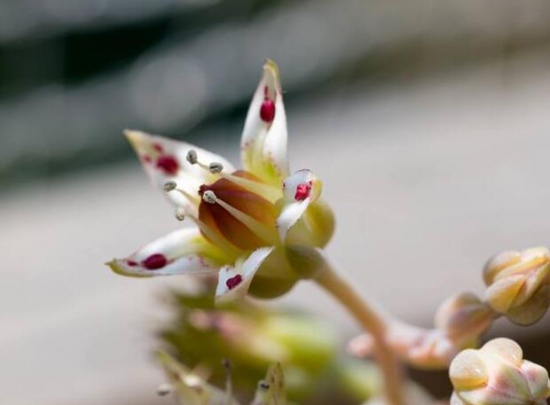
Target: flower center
242	217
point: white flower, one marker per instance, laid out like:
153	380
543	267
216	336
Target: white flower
243	218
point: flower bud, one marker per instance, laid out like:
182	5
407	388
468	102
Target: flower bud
519	284
496	374
463	317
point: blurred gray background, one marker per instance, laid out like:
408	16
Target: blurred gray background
428	121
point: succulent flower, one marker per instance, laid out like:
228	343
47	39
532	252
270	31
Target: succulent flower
244	219
519	284
496	374
463	318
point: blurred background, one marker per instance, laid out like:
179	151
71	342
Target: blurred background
428	121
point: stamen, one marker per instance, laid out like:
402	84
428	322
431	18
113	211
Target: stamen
266	233
263	385
228	382
214	237
180	213
192	156
270	193
215	167
169	186
173	186
164	389
210	197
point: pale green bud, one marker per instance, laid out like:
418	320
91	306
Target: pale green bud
463	317
519	284
496	374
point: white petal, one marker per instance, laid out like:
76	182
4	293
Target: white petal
184	251
156	154
300	189
233	282
290	215
264	143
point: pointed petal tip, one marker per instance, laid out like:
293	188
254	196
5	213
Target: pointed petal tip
135	138
271	66
118	269
272	75
132	134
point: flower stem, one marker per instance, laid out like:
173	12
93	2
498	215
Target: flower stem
373	323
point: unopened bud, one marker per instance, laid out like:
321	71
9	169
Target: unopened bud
519	284
495	374
463	317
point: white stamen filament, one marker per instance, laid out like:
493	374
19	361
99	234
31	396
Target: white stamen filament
170	186
268	192
264	232
214	237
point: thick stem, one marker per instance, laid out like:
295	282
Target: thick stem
373	323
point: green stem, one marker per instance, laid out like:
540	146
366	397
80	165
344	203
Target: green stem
373	323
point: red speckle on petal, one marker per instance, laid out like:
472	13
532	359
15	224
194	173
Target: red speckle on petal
302	191
146	158
155	262
234	281
267	111
168	164
158	147
132	263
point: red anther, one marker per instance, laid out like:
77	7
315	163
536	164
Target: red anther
234	281
168	164
302	191
155	261
267	111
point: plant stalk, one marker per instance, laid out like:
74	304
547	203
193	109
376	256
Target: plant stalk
373	323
